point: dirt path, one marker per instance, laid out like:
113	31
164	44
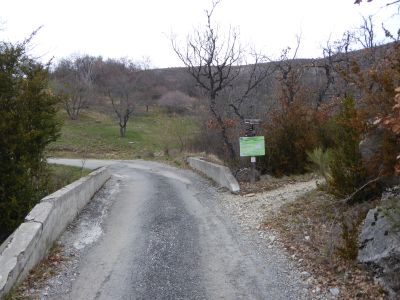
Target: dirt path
252	209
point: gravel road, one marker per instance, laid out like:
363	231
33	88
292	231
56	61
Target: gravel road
158	232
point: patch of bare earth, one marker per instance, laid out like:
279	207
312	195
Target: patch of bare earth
38	276
311	229
268	183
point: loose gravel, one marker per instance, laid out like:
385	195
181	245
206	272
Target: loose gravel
252	209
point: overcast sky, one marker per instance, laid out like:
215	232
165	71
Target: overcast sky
137	29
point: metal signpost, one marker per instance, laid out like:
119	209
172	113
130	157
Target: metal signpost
252	145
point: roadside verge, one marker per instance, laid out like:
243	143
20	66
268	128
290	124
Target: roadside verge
30	242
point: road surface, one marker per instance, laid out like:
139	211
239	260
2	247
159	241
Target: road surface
157	232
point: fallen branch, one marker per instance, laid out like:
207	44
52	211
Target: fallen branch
351	196
348	198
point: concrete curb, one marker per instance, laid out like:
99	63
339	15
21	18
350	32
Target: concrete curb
30	242
220	174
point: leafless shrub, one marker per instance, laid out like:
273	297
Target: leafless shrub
176	102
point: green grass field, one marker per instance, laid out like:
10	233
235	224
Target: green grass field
96	135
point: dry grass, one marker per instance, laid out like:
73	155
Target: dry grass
271	183
311	229
38	276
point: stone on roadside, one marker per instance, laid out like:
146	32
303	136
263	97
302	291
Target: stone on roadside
305	274
250	195
334	291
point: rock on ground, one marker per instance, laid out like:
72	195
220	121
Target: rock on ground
380	249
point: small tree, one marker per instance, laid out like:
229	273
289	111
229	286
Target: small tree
120	81
366	36
346	167
27	124
73	79
289	135
218	66
289	76
291	129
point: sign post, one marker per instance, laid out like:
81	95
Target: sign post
252	145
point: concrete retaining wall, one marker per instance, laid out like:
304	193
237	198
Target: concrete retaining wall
47	220
220	174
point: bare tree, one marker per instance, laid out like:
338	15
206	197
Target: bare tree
149	87
366	35
387	4
343	61
289	74
352	67
216	63
328	67
73	79
120	82
388	34
328	82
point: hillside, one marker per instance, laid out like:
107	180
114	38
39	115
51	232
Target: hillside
95	135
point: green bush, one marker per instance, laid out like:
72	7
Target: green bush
346	166
27	124
322	159
289	135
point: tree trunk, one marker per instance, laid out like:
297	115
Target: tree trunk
122	130
227	143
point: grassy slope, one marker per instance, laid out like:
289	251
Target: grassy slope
61	175
96	135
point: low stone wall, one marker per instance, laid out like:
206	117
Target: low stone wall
220	174
48	219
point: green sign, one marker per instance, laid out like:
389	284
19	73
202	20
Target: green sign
252	146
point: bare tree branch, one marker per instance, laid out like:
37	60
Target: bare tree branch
366	33
215	63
